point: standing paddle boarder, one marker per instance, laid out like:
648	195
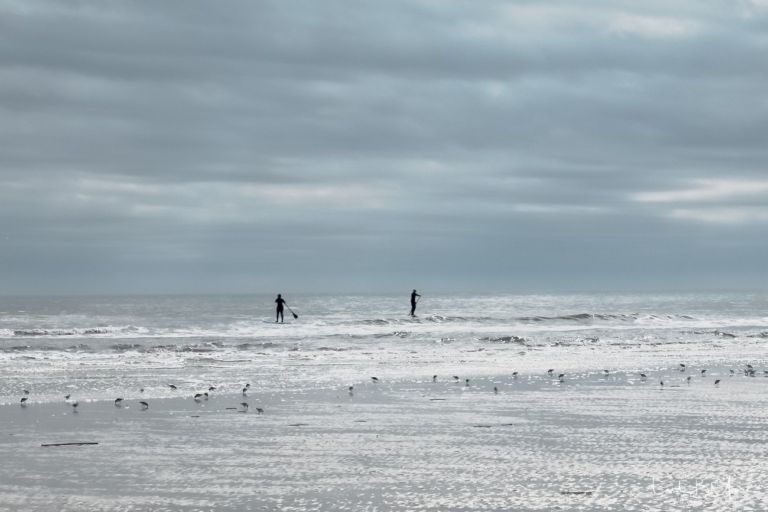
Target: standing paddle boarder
279	312
414	300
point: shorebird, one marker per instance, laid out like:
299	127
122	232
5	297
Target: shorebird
682	367
375	380
514	375
66	397
259	410
703	372
244	405
561	377
550	371
172	387
732	372
351	390
118	402
248	386
749	366
212	388
205	395
434	378
688	380
495	390
245	391
23	401
74	406
144	406
643	376
466	382
661	382
198	397
717	382
141	390
26	391
605	372
456	378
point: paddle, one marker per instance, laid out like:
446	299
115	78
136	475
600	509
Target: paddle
295	316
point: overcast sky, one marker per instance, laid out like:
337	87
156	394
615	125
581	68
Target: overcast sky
330	146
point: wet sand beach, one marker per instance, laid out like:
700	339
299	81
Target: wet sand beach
584	441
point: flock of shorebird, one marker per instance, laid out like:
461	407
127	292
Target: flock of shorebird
748	371
198	397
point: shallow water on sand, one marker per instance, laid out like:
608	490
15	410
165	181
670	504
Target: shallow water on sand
586	441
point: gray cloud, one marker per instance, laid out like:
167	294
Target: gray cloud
191	146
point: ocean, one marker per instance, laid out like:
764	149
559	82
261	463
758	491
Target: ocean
197	339
496	402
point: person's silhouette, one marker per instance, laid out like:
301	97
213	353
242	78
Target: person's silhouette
414	300
279	313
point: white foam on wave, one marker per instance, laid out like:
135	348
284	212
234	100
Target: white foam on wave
321	327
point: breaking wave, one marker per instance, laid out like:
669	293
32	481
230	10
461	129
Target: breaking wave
590	317
86	331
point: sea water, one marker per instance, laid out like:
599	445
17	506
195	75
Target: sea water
463	415
106	345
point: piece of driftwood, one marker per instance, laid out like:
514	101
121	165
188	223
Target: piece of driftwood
69	444
574	493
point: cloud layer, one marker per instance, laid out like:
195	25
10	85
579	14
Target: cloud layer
331	146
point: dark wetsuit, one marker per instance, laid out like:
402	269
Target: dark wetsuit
413	302
279	314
